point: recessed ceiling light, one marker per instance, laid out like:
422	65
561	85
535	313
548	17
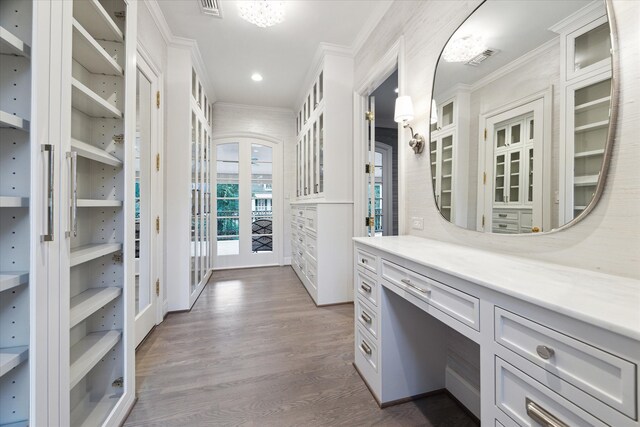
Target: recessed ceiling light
396	90
256	77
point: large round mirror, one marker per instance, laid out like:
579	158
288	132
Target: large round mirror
521	114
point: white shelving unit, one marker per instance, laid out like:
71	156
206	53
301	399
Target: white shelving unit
88	302
91	152
92	104
87	352
16	23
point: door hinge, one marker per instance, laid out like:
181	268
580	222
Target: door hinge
369	116
118	139
158	162
158	224
117	257
369	221
158	99
369	168
485	134
482	220
120	14
158	287
484	178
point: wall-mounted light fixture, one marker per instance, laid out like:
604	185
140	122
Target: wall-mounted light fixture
404	114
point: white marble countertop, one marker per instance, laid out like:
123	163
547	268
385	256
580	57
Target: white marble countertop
610	302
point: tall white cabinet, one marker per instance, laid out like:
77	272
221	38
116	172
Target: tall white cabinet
322	211
187	184
67	212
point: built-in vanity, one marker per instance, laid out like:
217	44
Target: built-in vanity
556	346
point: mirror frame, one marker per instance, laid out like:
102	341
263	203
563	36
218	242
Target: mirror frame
611	132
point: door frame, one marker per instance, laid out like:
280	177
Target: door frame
379	72
277	197
486	120
156	192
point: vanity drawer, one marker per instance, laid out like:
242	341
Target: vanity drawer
509	216
367	318
367	287
297	212
600	374
311	247
299	239
505	227
312	273
459	305
311	216
366	350
528	402
366	260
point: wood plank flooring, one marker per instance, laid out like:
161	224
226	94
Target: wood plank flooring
255	351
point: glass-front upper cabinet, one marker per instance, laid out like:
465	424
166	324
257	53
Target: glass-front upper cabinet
589	48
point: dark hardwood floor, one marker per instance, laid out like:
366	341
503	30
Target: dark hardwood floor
256	351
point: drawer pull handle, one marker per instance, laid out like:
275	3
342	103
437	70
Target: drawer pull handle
364	316
542	416
502	215
300	253
300	240
364	347
502	225
365	287
417	288
364	260
545	352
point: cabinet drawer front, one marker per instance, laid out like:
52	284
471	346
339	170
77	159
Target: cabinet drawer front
608	378
312	249
505	227
367	288
297	212
312	272
457	304
311	216
524	399
299	239
505	216
367	318
366	349
366	260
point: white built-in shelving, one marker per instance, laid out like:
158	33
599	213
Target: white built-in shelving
88	302
88	52
12	357
11	279
91	14
13	202
90	103
82	254
12	45
8	120
91	152
88	352
96	203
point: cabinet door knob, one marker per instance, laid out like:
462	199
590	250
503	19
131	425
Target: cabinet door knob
545	352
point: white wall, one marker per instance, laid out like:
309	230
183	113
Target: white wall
272	122
608	239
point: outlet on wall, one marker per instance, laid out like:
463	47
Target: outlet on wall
417	223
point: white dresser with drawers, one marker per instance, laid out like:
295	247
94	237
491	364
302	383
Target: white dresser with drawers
550	345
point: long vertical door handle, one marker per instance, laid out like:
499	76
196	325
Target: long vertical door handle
73	210
49	148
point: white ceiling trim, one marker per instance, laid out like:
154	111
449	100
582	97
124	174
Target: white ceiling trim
181	42
286	111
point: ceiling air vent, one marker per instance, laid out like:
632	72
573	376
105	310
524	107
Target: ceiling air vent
210	7
478	59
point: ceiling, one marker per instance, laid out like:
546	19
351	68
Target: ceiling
233	49
512	27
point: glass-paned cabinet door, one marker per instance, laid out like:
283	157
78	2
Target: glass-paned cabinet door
514	177
320	87
589	48
194	84
447	115
500	178
321	146
298	169
316	186
315	96
303	161
446	177
308	161
433	156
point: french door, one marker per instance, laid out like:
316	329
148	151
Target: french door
147	209
247	205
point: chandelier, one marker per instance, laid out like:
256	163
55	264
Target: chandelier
263	13
464	49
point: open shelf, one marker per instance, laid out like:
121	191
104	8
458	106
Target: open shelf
8	120
91	15
12	357
90	152
88	52
96	203
592	126
88	352
86	253
592	104
90	103
581	181
12	45
14	202
11	279
90	301
24	423
90	414
589	153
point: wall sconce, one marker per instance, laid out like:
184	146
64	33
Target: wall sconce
404	114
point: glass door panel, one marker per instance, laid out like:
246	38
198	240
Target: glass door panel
315	158
514	177
500	179
228	199
261	198
321	145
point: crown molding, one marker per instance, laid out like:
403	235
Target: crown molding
380	9
580	17
181	43
286	111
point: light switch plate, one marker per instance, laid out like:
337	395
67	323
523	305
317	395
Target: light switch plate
417	223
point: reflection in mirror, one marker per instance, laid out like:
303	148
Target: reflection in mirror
520	115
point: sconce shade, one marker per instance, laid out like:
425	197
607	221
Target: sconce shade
404	109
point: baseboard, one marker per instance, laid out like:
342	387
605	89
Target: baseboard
463	391
286	261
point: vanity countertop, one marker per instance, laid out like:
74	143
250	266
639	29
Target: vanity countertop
610	302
